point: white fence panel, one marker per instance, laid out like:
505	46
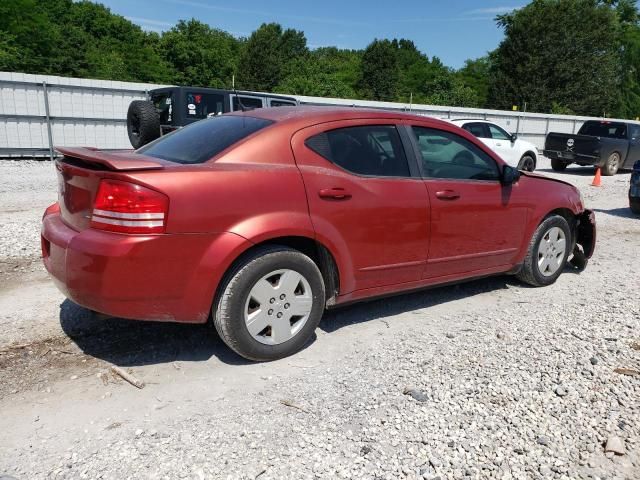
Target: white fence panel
86	112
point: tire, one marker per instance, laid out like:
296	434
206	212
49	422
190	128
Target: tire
537	270
143	123
634	205
612	165
558	165
247	293
527	163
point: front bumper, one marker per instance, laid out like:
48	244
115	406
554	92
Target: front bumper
586	232
166	277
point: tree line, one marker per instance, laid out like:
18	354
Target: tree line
560	56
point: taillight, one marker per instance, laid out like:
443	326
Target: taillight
129	208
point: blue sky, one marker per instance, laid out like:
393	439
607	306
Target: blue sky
453	30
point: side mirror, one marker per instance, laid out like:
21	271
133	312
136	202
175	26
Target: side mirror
514	137
510	175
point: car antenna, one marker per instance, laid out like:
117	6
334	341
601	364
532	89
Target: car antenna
233	86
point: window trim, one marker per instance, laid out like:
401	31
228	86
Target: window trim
405	144
418	155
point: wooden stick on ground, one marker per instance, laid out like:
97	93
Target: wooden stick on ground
127	376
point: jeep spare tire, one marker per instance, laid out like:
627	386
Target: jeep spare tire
143	123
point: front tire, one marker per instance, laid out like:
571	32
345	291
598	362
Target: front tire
271	304
558	165
527	163
547	253
612	165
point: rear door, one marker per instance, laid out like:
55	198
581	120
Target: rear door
366	200
634	146
476	223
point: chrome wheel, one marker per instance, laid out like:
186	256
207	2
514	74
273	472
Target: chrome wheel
551	251
278	306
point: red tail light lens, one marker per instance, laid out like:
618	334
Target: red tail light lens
129	208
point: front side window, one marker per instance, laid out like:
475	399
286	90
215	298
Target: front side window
201	105
446	155
498	133
372	150
476	129
204	139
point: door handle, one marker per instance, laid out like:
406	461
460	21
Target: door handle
498	144
447	195
335	193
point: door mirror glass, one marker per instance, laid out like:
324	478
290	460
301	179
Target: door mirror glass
510	175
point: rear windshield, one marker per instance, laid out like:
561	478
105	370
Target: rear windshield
204	139
604	129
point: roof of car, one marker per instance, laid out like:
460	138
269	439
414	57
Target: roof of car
316	114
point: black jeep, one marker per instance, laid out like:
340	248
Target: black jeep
170	108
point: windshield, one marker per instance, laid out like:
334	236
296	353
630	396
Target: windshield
604	129
204	139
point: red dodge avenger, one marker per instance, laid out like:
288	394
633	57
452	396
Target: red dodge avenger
260	220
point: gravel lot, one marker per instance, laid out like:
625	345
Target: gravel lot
490	379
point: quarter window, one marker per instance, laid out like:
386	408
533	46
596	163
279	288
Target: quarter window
249	103
372	150
446	155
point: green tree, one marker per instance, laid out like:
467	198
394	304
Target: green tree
475	75
562	51
200	55
267	54
380	73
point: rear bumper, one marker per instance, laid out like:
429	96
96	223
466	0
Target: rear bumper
572	157
168	277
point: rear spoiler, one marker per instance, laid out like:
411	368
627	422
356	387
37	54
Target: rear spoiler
120	161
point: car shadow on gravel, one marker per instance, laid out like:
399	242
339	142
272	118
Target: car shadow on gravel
130	343
624	212
402	303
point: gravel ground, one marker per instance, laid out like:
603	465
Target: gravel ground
490	379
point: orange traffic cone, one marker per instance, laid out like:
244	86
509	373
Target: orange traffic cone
596	179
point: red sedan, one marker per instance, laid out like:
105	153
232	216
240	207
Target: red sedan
259	220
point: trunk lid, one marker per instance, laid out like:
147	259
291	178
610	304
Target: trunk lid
79	173
568	142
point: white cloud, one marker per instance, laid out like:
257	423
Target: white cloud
492	10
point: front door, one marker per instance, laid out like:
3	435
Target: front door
364	201
476	224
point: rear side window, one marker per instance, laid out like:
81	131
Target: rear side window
372	150
248	103
204	139
476	129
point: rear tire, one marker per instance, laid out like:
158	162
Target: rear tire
143	123
548	251
612	165
271	304
558	165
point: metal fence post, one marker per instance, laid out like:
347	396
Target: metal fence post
546	128
518	126
48	119
575	123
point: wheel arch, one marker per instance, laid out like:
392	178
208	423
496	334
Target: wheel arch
317	251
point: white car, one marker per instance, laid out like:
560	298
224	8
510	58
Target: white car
516	152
